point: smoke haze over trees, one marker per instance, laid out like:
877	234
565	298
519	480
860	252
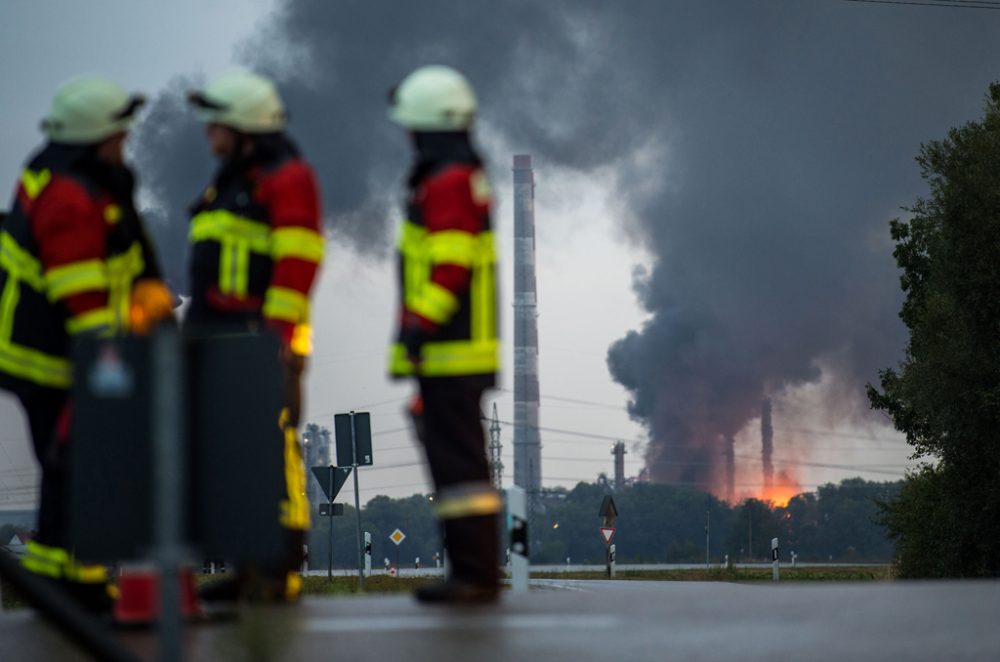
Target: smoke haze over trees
758	149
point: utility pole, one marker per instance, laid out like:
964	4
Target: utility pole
357	501
708	528
750	532
495	449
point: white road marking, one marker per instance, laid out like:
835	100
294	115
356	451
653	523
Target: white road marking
451	622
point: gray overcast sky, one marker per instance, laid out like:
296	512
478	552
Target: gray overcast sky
644	91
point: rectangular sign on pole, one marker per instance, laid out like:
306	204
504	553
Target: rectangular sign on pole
608	512
331	509
346	436
363	439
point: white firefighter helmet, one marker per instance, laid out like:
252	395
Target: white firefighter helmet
244	101
433	98
88	109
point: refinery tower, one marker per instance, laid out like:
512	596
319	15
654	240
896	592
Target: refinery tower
527	442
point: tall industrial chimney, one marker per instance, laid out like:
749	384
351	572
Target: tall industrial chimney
730	453
618	450
767	443
527	442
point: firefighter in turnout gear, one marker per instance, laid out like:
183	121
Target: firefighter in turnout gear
447	335
74	261
256	247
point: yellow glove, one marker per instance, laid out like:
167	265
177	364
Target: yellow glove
152	302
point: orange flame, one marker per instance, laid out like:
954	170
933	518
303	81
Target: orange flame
784	488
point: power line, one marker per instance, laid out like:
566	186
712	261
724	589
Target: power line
957	4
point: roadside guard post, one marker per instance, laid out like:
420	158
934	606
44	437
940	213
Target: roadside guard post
774	559
517	527
368	553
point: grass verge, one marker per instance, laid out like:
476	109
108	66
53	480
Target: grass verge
808	574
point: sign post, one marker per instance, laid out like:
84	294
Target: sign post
353	432
517	526
774	559
397	537
331	479
608	515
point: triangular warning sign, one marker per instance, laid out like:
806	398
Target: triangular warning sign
607	532
331	474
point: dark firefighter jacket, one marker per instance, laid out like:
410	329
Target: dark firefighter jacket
257	244
70	250
447	265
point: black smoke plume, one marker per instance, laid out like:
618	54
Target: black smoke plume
778	138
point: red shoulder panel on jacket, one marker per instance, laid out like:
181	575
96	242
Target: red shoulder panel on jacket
449	202
291	195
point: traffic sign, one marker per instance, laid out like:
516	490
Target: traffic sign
397	537
607	533
608	511
331	509
353	433
340	475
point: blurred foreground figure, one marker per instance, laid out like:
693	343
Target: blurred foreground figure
74	260
256	247
447	321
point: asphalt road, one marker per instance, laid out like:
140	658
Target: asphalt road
596	620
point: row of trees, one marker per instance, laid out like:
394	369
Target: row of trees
656	523
945	394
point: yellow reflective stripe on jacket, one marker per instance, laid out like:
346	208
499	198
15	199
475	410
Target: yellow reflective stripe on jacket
221	225
302	339
122	272
44	560
237	237
76	277
57	563
294	511
86	574
100	320
301	243
469	500
35	182
483	290
18	262
449	358
411	238
284	304
452	247
35	366
433	302
24	362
